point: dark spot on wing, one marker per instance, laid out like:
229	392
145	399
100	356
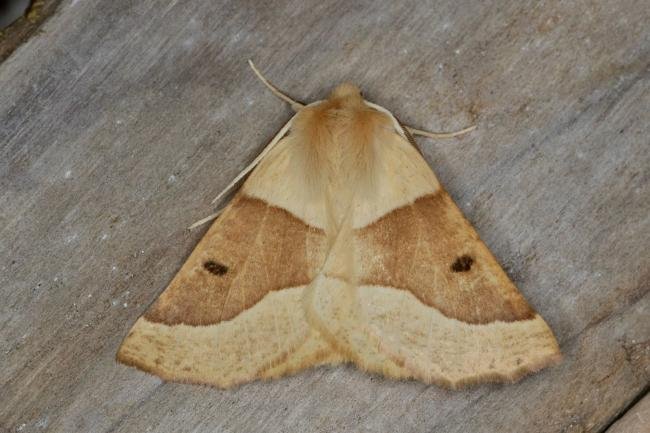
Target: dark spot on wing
215	268
462	264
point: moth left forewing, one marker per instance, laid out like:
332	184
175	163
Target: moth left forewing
234	312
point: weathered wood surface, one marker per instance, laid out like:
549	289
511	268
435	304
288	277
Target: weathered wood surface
121	120
637	419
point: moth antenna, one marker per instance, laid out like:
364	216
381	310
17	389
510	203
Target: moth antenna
256	161
295	105
244	172
205	220
415	131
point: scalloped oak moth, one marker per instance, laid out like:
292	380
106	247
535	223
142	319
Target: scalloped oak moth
341	246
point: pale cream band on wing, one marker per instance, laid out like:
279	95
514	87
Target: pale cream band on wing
223	354
442	350
391	332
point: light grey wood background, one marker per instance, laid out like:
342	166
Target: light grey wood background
121	120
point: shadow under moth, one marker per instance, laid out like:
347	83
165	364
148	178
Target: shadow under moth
341	246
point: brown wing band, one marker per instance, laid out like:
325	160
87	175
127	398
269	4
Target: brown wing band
254	248
429	249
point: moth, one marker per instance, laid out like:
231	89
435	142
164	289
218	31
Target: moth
341	246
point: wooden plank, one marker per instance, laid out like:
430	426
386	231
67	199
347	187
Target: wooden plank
25	26
635	420
122	120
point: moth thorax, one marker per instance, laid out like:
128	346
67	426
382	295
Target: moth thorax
345	90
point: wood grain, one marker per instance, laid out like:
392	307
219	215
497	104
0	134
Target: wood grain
121	120
635	420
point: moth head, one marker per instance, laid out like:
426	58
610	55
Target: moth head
346	91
